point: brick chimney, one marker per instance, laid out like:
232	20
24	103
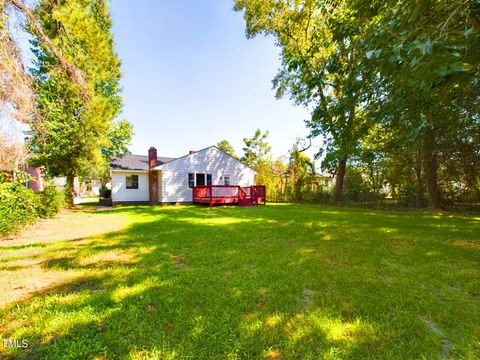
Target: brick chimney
152	176
152	157
192	152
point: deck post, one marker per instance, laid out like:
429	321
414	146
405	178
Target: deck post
210	188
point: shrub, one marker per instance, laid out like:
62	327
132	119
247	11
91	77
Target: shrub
105	192
354	186
322	195
52	201
18	207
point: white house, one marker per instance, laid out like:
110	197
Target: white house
152	179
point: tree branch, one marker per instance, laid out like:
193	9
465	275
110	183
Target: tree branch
72	72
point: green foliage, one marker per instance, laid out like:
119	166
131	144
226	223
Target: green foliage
356	187
52	200
321	67
225	146
77	134
422	44
119	135
256	149
426	56
271	173
301	176
105	192
393	86
18	207
292	180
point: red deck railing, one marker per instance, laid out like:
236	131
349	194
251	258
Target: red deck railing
229	194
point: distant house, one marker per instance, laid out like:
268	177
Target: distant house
152	179
325	181
35	177
61	182
36	180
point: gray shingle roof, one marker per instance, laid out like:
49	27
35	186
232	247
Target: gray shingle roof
135	162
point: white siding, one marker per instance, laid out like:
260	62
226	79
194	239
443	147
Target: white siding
121	193
208	161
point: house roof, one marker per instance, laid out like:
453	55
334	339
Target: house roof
158	167
131	162
324	175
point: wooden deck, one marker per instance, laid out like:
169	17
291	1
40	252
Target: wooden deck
229	194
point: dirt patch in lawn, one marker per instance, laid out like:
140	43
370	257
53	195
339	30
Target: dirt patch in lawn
469	244
20	285
179	262
273	355
33	263
108	258
68	225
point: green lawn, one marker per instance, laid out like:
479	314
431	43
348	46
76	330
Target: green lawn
274	282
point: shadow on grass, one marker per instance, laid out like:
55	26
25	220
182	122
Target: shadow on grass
267	282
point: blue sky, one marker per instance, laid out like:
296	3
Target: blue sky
191	78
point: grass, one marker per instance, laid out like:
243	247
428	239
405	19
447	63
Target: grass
274	282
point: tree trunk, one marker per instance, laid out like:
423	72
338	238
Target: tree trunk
70	189
340	177
430	156
342	164
433	189
420	201
393	191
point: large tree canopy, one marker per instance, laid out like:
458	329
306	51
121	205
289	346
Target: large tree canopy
17	95
427	57
402	71
322	67
76	128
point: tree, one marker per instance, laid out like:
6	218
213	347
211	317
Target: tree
256	148
119	136
426	53
17	94
74	127
271	173
321	67
301	172
408	68
225	146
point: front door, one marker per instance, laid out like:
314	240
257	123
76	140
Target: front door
200	179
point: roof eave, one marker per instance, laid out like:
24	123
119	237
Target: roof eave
128	170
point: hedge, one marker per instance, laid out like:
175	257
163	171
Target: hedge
20	206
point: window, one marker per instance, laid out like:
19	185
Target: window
209	179
132	181
226	180
200	179
191	180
